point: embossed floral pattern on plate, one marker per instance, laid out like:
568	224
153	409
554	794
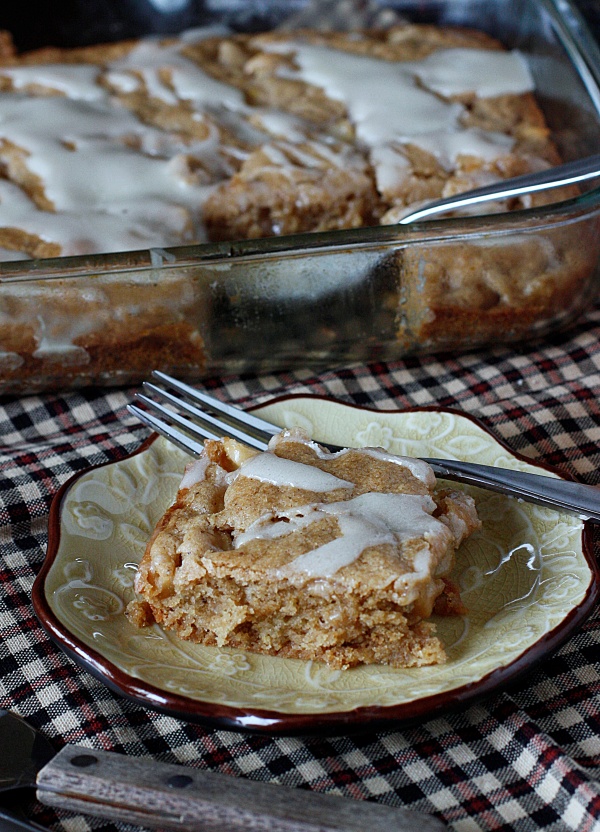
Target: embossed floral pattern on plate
527	580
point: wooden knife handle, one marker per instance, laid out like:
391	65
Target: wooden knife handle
154	794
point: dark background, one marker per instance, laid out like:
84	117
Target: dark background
36	23
83	22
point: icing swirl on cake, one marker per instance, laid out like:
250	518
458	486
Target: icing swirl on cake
107	180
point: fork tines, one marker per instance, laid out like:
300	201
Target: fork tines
208	417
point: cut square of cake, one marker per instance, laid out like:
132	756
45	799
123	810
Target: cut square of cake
299	552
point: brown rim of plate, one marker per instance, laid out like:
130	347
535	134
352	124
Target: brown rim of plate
282	724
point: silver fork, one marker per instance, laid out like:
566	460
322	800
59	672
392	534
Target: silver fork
207	418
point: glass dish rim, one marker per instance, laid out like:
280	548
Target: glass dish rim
442	230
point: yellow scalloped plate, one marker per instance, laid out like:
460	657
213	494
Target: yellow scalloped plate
528	578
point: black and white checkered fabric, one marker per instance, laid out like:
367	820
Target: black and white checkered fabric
525	758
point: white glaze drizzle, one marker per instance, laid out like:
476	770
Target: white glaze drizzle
407	107
485	72
187	81
79	233
195	472
270	526
364	521
372	519
108	195
111	197
391	166
267	467
279	123
77	81
369	519
135	199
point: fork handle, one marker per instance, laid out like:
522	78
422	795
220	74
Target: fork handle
572	497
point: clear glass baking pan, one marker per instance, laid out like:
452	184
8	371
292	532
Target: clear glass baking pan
322	300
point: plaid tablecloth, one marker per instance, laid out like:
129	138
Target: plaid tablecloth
524	758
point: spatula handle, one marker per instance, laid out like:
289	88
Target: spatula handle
153	794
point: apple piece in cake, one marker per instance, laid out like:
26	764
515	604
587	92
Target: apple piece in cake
305	553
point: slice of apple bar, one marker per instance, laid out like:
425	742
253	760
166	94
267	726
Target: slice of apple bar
299	552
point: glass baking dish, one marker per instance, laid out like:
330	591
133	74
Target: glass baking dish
322	300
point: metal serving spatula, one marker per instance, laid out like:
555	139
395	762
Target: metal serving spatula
154	794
